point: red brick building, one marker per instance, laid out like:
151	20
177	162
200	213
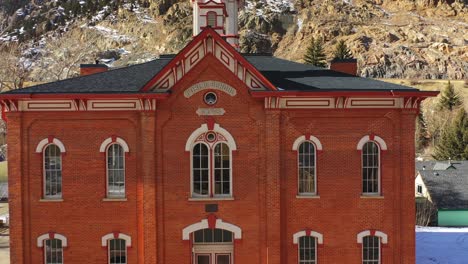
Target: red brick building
212	157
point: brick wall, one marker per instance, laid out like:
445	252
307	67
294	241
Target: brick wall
264	180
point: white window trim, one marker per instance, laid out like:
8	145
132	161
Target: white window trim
112	140
42	238
190	144
44	182
203	224
379	171
192	194
315	234
47	141
383	239
318	241
216	128
314	140
380	142
105	239
382	235
315	169
230	173
107	172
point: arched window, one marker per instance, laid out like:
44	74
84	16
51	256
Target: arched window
115	171
307	250
53	251
222	169
306	168
53	245
371	250
52	172
211	162
117	251
371	241
117	244
371	168
307	246
211	19
209	236
200	165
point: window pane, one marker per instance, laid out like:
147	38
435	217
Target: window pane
371	250
222	169
117	251
200	176
370	168
307	247
212	236
53	172
115	171
211	19
53	251
306	168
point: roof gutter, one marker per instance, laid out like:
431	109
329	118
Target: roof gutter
390	93
85	96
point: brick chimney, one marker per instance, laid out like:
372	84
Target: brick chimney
348	66
87	69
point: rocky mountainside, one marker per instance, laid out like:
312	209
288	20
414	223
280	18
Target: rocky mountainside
414	39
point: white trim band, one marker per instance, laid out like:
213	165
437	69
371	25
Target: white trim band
203	224
46	141
203	129
311	138
365	139
41	238
382	235
110	140
299	234
106	238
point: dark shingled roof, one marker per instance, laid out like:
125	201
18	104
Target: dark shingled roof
123	80
284	74
446	182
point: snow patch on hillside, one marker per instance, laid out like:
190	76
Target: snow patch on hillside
264	7
113	34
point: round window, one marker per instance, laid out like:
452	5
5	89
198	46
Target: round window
210	98
210	137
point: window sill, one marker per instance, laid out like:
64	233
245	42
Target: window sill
307	196
371	196
203	199
50	200
114	199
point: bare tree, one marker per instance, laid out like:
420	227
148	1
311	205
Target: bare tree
64	56
3	22
425	211
14	67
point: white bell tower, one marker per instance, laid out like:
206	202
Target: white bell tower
221	15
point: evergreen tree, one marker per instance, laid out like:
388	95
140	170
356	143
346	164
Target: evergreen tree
450	98
421	138
342	51
454	141
315	54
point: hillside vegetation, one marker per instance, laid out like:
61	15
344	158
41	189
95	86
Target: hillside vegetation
423	39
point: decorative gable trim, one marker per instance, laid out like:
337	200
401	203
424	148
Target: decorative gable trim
208	43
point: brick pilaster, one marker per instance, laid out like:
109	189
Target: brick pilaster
273	195
408	219
16	180
146	193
